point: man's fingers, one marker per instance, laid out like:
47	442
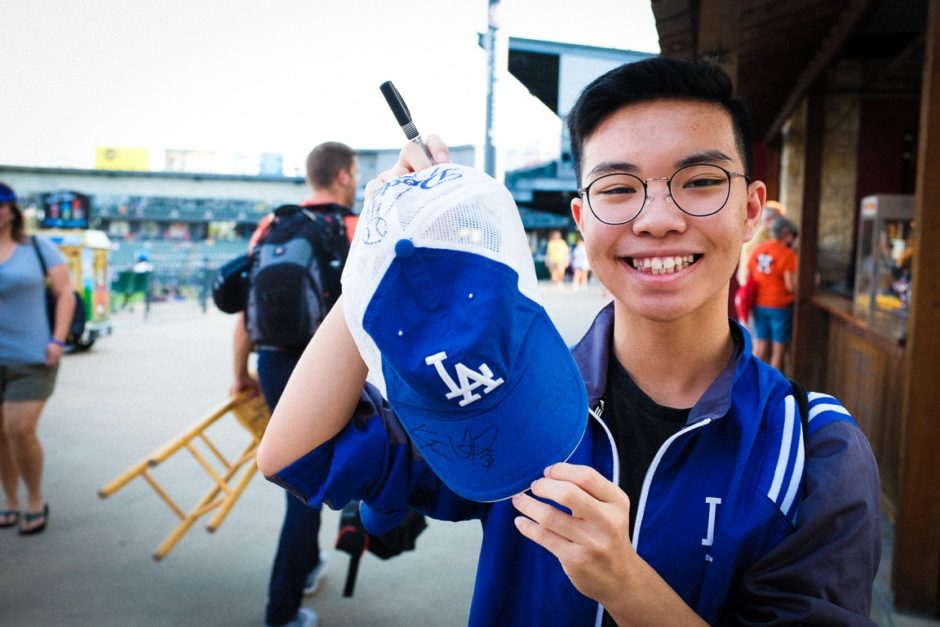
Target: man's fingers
437	148
385	176
588	479
593	500
413	158
542	523
540	512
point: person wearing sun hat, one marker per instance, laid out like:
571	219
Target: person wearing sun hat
31	345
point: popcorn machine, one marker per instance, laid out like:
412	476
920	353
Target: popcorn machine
884	254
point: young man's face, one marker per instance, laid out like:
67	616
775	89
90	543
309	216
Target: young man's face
654	139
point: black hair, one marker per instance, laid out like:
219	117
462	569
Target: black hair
657	78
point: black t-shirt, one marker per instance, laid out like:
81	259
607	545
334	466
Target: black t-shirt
639	427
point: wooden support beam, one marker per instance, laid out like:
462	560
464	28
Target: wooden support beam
718	33
808	327
677	27
851	16
916	569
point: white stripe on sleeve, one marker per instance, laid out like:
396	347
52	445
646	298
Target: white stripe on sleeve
785	444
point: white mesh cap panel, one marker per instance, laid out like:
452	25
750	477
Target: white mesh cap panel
446	206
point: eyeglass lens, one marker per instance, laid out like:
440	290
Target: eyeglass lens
698	190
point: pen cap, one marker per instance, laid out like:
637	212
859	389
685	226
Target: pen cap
396	103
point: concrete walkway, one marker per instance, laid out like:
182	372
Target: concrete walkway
142	387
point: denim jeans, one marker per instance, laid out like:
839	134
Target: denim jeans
298	550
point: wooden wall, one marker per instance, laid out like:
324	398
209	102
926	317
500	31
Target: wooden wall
865	372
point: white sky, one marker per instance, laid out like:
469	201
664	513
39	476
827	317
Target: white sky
252	76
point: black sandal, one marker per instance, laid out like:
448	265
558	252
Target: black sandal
28	518
10	518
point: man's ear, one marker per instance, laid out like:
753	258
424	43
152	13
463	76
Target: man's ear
342	177
756	197
576	205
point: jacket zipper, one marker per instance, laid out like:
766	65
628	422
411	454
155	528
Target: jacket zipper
597	413
648	478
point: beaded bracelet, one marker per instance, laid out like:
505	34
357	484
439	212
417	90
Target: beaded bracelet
57	342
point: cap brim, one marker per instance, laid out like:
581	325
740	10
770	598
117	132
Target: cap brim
492	455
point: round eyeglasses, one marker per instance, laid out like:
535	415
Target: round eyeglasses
697	190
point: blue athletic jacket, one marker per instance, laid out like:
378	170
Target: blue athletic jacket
745	524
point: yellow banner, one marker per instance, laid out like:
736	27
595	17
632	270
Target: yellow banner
115	158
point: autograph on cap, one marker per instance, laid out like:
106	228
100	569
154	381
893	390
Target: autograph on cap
373	223
473	447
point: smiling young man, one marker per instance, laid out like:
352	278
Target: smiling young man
694	496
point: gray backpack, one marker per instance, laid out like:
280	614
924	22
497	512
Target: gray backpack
294	276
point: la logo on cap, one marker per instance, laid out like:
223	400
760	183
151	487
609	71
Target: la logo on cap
482	378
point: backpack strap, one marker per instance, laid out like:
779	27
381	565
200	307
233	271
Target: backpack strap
338	214
353	539
42	262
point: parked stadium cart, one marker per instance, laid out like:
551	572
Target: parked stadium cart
87	254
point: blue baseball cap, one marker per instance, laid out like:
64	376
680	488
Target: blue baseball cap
6	193
442	301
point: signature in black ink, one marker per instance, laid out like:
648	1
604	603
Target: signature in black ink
476	447
426	439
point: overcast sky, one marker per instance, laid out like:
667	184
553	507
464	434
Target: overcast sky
275	76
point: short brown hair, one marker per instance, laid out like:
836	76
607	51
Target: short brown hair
325	162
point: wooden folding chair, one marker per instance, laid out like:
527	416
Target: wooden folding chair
228	482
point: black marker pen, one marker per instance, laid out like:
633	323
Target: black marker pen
400	109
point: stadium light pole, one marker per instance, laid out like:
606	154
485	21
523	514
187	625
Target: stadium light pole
489	152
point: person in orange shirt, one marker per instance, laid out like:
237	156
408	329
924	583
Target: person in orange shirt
773	266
